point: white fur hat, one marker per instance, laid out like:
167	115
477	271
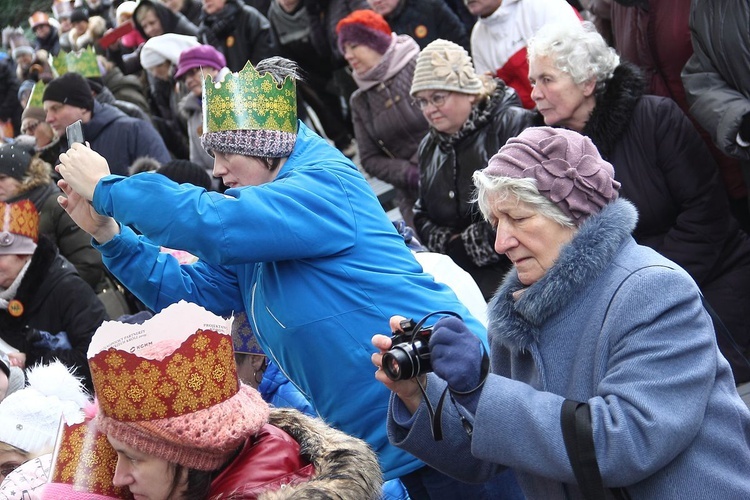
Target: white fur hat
167	47
30	418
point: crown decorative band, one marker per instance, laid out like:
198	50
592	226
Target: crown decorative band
83	62
199	374
20	218
249	101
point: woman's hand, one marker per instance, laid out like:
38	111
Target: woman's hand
407	390
17	359
100	227
82	168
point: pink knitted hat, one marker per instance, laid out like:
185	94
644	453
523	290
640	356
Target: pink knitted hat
178	398
567	168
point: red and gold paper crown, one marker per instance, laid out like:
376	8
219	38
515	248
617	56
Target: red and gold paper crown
84	460
19	218
197	375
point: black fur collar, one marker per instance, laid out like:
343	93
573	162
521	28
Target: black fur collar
614	108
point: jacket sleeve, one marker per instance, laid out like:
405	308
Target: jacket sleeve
703	223
716	105
158	280
399	172
297	216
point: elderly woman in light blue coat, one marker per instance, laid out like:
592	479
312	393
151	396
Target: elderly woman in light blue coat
589	321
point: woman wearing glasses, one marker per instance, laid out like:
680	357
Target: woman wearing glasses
387	127
470	118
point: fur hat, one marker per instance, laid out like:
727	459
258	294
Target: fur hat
365	27
197	57
15	160
20	229
167	47
30	417
72	89
567	168
444	65
199	420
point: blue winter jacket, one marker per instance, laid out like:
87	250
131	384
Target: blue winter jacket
311	257
122	139
617	326
277	390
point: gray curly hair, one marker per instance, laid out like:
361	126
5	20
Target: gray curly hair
576	49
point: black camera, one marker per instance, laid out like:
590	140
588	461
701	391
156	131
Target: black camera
409	355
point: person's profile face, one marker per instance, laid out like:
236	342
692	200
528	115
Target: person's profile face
482	8
146	476
530	240
60	115
237	170
288	6
161	71
42	31
213	6
383	7
561	101
8	187
193	79
361	58
10	267
150	24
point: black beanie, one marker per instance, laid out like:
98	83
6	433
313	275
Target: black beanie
15	159
184	171
72	89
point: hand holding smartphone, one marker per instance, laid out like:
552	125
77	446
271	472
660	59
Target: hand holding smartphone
74	132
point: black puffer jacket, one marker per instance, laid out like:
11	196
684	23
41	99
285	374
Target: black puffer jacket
446	164
683	213
54	299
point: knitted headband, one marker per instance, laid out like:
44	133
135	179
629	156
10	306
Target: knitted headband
444	65
567	168
364	27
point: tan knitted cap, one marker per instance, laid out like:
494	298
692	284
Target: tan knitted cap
444	65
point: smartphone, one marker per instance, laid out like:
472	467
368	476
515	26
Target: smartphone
74	133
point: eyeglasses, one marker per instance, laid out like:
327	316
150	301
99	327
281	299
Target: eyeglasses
436	100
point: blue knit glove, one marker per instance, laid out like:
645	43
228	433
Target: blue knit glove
456	357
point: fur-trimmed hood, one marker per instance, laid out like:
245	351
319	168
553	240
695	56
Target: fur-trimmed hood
614	108
516	324
345	467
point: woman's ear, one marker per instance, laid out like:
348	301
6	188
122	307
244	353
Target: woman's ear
589	86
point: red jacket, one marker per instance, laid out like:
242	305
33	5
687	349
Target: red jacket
269	460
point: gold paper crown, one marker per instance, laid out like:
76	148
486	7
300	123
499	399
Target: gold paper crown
249	101
82	62
197	375
35	98
23	219
85	460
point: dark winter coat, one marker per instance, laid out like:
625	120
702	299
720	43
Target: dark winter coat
51	44
73	242
668	173
241	33
716	76
122	139
446	165
324	16
10	108
387	126
54	299
426	21
126	88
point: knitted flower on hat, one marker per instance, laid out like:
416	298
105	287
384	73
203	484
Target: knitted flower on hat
444	65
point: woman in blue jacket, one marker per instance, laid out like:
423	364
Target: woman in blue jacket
299	241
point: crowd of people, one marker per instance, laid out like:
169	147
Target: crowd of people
195	292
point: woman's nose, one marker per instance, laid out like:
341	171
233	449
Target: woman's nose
504	239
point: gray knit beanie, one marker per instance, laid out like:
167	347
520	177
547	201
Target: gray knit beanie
444	65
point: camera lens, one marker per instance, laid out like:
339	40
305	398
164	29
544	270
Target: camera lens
405	361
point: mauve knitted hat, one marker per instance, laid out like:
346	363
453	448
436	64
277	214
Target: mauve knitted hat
444	65
567	168
197	57
364	27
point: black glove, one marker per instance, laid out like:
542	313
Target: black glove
745	128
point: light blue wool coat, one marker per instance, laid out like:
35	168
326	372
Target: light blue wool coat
311	257
667	420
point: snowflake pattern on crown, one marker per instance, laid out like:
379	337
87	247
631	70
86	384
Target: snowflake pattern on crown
82	62
249	101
